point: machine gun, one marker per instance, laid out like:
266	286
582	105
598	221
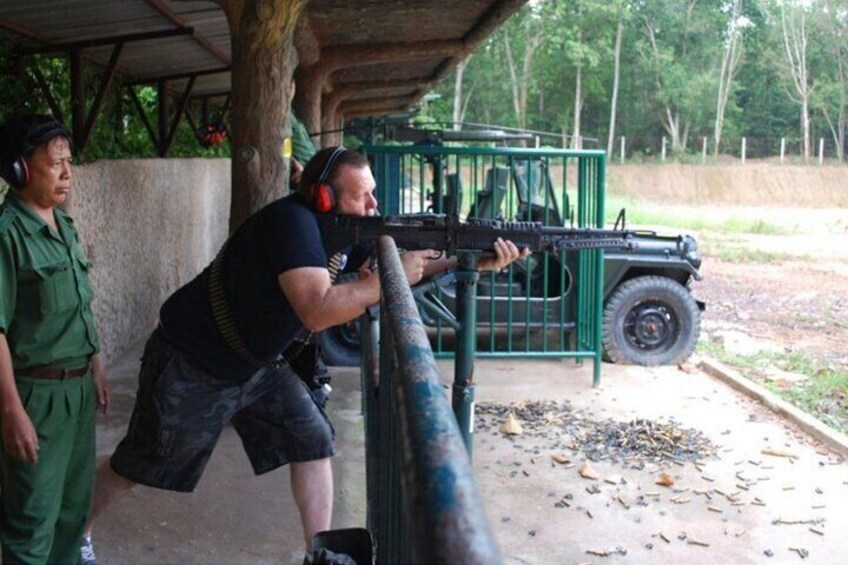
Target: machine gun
449	234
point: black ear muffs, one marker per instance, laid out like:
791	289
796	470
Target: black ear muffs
19	173
321	194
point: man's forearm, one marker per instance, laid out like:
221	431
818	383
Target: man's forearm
345	302
9	398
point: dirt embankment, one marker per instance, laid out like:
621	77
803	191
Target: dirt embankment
752	184
789	286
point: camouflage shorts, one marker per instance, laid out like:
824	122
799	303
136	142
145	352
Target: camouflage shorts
180	411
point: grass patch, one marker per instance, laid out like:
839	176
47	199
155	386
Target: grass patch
824	394
737	251
640	213
747	255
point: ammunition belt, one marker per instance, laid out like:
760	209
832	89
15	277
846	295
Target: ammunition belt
224	320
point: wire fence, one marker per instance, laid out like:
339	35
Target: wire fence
701	150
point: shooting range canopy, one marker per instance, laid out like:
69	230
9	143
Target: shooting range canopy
176	40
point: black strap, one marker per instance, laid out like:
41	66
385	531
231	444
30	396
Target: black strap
226	323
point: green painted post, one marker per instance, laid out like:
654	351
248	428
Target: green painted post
600	179
466	341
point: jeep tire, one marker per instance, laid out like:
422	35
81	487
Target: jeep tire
340	345
649	321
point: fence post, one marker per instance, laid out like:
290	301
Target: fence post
622	149
821	150
782	149
663	149
704	152
744	140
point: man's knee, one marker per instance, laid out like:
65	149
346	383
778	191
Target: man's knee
109	479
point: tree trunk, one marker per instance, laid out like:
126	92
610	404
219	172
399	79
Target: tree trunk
795	44
458	106
263	63
520	85
576	139
840	120
671	119
616	71
805	128
729	63
513	80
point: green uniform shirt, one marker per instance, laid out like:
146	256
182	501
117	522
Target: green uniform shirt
45	297
302	147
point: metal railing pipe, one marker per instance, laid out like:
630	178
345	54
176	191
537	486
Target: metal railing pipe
442	519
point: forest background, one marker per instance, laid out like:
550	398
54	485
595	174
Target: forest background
591	71
683	73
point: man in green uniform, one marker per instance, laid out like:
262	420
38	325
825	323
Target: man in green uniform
299	148
51	377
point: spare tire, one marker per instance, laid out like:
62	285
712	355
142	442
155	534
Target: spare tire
340	346
650	321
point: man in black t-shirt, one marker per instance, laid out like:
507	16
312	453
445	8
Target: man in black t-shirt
212	359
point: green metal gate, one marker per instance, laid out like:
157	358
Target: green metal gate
545	306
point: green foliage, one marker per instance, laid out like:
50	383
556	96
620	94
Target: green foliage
824	394
15	85
670	63
670	66
640	213
118	131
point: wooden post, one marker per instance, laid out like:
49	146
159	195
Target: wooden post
821	150
307	101
663	149
704	151
161	117
782	148
263	63
744	141
622	149
77	98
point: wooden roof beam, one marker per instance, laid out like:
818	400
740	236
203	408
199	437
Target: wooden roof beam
163	9
491	20
342	92
374	104
110	40
311	80
179	76
375	112
25	32
346	56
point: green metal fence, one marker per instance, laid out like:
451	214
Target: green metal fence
545	306
424	505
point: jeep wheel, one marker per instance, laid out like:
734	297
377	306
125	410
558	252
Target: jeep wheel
650	321
340	345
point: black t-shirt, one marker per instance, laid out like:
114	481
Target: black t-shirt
282	236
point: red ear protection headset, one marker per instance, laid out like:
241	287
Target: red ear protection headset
19	175
322	195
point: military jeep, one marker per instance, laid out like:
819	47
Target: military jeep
650	316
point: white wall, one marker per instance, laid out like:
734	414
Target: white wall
148	226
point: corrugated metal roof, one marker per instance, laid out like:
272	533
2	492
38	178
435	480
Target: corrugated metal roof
334	24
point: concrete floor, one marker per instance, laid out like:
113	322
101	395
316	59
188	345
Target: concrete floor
531	529
234	517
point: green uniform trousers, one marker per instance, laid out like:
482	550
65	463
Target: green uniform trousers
45	505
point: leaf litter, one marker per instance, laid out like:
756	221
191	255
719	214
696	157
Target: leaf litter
635	442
